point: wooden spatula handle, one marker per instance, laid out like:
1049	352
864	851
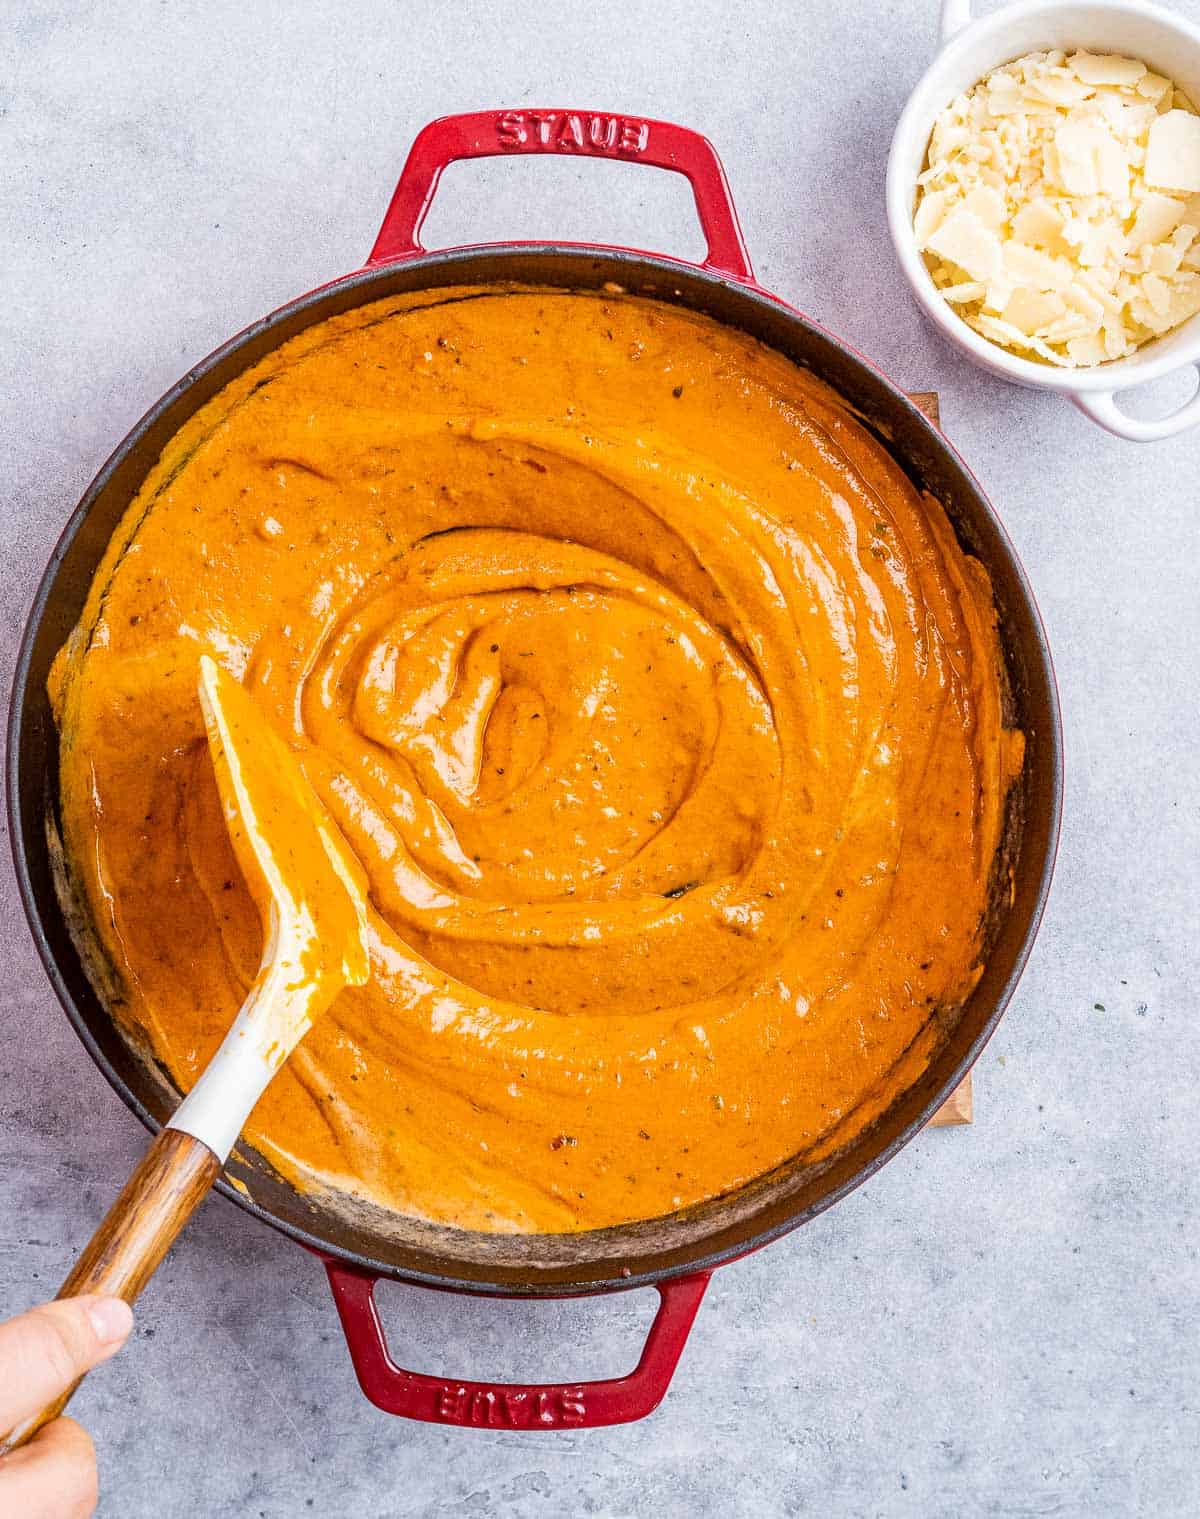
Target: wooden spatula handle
164	1191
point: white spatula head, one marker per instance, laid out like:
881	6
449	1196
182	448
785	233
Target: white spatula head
309	891
306	884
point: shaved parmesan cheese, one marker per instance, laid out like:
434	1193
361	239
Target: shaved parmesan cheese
1033	310
971	290
1153	87
1106	68
1090	160
1112	167
1157	217
1056	88
1173	152
1039	223
1085	303
962	239
1087	351
987	204
1054	213
1036	269
929	217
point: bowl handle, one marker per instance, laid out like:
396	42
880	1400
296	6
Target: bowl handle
1101	406
955	15
589	134
512	1405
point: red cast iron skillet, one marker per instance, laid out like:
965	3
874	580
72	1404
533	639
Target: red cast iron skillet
675	1254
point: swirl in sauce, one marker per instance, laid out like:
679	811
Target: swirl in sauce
662	712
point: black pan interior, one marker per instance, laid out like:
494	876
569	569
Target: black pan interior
632	1254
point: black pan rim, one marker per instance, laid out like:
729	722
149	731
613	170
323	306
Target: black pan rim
559	1281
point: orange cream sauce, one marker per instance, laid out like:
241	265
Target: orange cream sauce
661	712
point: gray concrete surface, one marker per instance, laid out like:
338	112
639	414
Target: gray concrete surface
1004	1321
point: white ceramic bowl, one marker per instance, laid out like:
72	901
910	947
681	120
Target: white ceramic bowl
969	50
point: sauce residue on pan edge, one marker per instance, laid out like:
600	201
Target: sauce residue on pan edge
661	711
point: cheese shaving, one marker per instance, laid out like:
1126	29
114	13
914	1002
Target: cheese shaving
1059	210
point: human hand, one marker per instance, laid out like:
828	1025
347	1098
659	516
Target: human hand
42	1353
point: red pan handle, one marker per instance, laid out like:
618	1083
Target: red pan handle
591	134
513	1405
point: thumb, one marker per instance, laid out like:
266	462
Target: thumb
45	1351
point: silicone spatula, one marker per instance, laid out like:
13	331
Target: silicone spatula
311	897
